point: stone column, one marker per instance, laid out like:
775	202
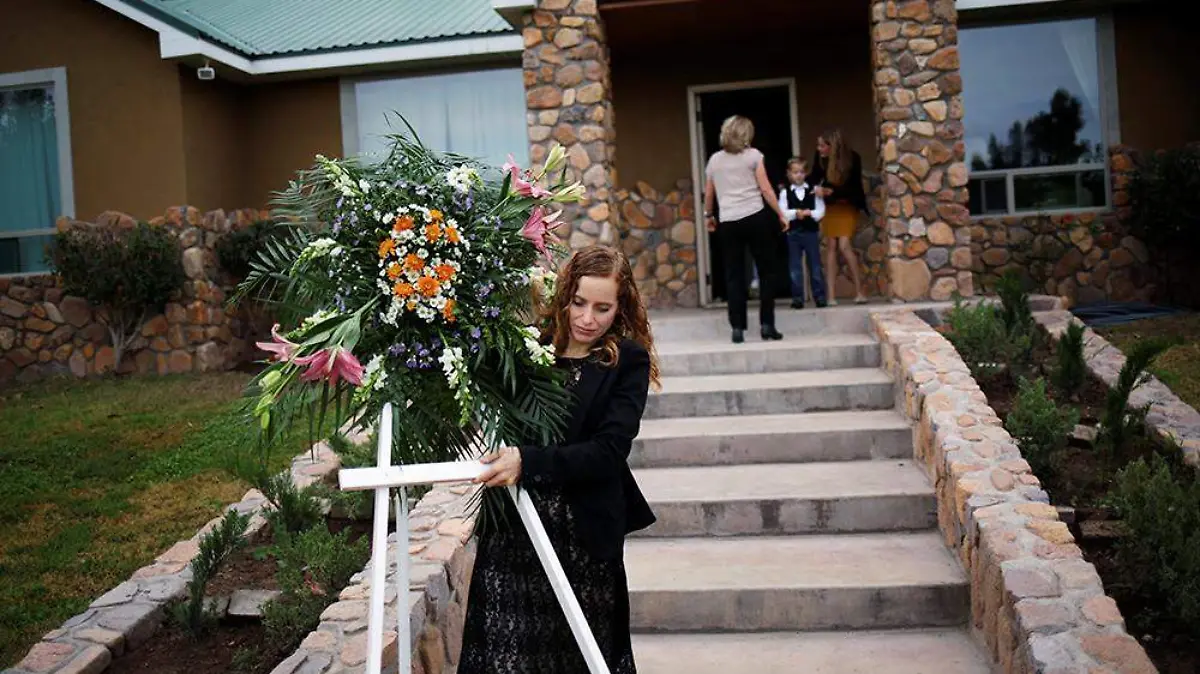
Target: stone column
918	107
568	94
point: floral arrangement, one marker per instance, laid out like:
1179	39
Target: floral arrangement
416	281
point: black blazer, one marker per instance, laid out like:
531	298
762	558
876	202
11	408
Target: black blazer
592	463
851	190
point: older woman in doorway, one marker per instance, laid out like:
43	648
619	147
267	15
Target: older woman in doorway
837	173
750	218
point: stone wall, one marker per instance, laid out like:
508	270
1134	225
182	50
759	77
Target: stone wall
1040	607
44	332
1085	257
568	97
658	233
1167	415
441	558
919	110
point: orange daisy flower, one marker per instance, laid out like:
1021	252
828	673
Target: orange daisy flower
444	272
403	223
403	289
432	233
386	248
435	215
413	262
448	311
428	286
452	234
412	305
394	271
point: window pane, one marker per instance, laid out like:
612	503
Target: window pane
29	179
24	255
988	196
1084	189
477	114
1032	94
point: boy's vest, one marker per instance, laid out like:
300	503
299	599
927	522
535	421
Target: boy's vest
809	202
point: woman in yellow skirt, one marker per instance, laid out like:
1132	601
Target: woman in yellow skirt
837	171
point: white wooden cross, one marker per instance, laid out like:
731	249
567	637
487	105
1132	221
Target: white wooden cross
382	478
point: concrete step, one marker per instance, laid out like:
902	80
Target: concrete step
812	352
713	324
798	498
934	651
772	438
811	583
771	393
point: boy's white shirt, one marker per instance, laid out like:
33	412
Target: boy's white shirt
818	210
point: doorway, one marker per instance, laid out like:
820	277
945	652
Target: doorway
771	105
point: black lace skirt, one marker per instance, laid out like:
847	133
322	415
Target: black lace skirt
514	624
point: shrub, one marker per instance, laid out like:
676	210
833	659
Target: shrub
1038	425
1161	512
1118	424
193	614
295	509
1071	369
1165	191
978	333
1014	303
239	249
131	274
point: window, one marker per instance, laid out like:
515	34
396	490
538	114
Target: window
479	114
35	166
1035	116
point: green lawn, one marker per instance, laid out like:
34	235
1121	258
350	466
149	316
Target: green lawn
99	477
1179	367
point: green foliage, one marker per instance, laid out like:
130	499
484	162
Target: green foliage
314	565
295	509
237	250
1071	368
1165	191
1161	511
1038	425
130	273
1014	303
192	614
979	335
1118	423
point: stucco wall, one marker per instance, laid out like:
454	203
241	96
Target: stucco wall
287	124
126	119
216	145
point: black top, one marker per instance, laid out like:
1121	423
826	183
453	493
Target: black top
592	462
795	203
850	191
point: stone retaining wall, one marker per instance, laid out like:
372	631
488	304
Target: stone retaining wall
43	332
1040	607
1169	417
127	616
1085	257
441	558
658	233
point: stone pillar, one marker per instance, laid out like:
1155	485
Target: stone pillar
568	95
918	107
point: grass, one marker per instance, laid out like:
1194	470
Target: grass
1179	367
99	477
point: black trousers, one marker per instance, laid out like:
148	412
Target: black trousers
758	233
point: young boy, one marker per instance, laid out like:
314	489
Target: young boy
804	209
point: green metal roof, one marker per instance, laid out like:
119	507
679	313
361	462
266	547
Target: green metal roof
274	27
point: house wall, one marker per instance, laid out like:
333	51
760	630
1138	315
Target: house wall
126	109
287	124
217	155
1156	77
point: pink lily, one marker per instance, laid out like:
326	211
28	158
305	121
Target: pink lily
332	363
522	186
539	226
279	347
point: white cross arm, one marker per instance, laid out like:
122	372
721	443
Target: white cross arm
362	479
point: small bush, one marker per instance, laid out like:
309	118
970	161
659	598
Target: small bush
1038	425
239	249
130	273
1161	512
1014	303
1071	368
295	509
1165	191
979	334
215	547
1119	424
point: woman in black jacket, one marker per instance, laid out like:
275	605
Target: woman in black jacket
837	172
582	488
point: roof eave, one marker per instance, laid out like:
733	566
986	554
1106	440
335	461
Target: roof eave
514	11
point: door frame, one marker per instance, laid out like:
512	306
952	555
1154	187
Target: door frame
698	150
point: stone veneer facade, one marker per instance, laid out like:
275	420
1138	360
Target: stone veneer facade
658	234
1040	607
44	332
918	106
1085	257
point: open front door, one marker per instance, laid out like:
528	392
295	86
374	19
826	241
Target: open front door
771	105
